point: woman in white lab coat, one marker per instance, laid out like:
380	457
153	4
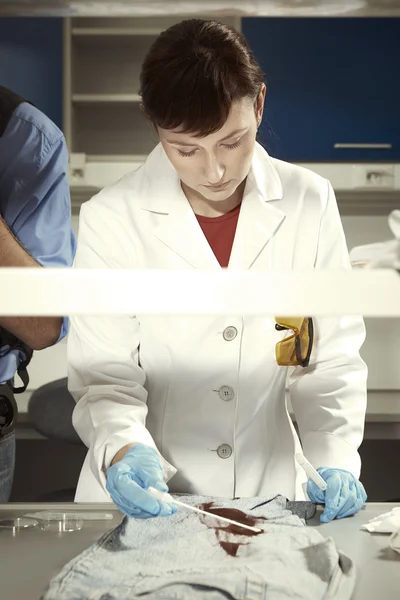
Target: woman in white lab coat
199	403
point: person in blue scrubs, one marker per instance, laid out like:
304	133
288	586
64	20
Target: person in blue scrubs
35	231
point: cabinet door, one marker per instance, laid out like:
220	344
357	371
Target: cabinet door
31	61
330	82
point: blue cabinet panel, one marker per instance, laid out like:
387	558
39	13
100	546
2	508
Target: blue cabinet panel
330	81
31	61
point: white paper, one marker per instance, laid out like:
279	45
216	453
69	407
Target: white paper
382	255
395	541
388	522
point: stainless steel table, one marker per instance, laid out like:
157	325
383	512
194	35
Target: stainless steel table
30	558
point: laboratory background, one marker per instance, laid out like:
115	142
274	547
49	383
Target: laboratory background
332	105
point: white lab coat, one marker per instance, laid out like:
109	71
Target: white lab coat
155	380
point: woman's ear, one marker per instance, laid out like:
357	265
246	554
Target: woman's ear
260	104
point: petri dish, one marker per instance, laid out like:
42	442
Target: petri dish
18	524
61	522
84	515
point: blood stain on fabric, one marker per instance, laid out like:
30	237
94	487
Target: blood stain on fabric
224	532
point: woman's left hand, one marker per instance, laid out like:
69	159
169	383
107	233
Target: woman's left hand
344	496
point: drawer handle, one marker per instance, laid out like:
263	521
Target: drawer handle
365	146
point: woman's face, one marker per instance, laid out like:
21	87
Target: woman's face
216	165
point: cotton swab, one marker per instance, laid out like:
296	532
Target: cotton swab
165	497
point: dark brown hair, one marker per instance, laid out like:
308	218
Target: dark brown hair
193	73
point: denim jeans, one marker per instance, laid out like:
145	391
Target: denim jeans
188	556
7	461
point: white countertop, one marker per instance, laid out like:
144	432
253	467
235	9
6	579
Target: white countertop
34	557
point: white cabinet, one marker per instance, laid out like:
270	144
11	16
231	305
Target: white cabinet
102	62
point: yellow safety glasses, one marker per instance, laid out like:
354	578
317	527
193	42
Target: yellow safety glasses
295	350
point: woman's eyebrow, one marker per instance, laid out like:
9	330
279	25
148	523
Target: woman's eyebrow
227	137
236	132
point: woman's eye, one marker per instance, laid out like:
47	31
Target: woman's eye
185	154
229	146
232	146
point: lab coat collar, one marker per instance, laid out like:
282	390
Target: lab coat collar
178	229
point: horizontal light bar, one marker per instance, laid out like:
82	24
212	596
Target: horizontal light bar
157	8
50	292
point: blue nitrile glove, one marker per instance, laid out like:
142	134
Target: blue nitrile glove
344	496
129	478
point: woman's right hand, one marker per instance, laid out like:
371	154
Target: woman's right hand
130	477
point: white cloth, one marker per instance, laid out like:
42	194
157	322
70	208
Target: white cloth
395	540
156	380
388	522
383	254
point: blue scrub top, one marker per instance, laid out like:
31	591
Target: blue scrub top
35	198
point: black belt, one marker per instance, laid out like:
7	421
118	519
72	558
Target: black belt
8	409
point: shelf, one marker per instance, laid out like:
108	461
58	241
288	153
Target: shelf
367	202
99	174
115	31
102	116
106	98
100	130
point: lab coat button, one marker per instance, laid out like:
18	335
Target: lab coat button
230	333
224	451
226	393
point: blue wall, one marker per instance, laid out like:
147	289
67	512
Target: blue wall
330	80
31	61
